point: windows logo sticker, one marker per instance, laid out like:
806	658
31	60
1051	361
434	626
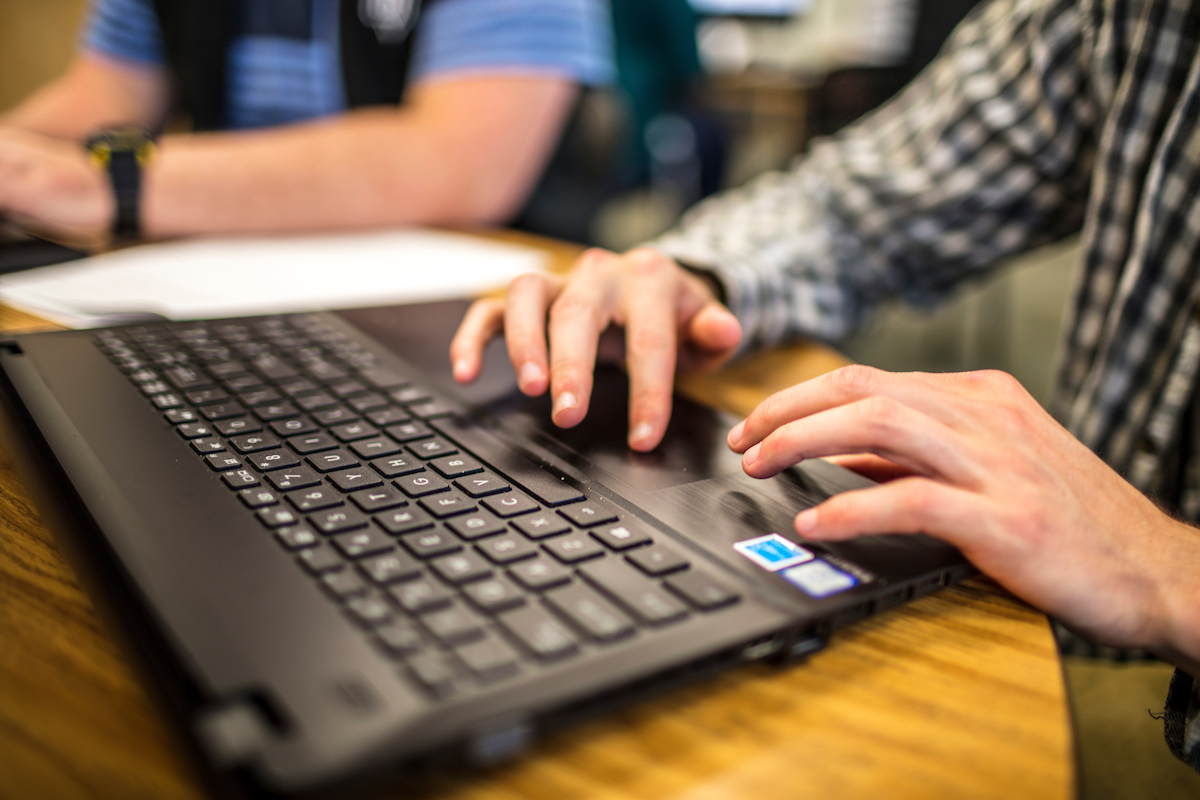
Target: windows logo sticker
773	552
819	579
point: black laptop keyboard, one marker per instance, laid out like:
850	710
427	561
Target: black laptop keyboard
460	570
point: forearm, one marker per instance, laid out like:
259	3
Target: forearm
468	160
984	155
94	93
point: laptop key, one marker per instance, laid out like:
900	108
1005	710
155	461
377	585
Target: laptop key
421	595
375	447
240	479
236	426
489	660
700	591
277	517
396	466
573	548
620	537
432	673
454	625
589	513
539	632
258	498
494	595
314	498
379	498
390	568
293	427
421	484
343	584
351	431
460	568
399	639
404	521
433	447
222	411
293	478
541	526
507	549
223	461
335	416
319	560
194	430
273	459
338	520
348	480
296	537
430	544
312	443
371	610
331	460
456	466
177	416
634	591
510	505
382	378
276	411
476	526
210	445
657	560
360	544
590	612
254	442
388	416
408	432
485	484
447	505
540	574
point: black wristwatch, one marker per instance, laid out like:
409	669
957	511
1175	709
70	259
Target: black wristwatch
123	153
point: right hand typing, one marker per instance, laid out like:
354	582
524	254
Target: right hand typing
667	317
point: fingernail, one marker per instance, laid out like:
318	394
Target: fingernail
563	402
735	435
641	432
806	522
530	374
751	455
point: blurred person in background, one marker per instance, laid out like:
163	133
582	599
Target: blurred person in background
306	115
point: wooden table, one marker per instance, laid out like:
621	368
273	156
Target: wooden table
957	695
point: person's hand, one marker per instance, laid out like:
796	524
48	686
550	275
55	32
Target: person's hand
667	315
51	186
971	458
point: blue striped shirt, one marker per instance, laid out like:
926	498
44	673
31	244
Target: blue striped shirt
275	80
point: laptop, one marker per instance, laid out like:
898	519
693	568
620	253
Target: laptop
336	567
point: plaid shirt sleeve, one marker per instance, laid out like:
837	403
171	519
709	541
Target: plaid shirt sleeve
986	154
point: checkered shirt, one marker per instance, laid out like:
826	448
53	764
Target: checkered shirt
1041	118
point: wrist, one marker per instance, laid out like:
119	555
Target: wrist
1179	601
123	154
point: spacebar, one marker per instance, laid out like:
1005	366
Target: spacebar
537	480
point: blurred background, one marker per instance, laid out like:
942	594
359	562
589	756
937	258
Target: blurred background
712	93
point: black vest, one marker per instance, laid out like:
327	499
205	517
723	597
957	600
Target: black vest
197	35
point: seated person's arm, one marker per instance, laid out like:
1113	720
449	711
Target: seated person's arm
461	150
95	93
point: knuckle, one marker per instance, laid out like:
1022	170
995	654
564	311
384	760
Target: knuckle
645	262
648	340
880	414
527	282
855	380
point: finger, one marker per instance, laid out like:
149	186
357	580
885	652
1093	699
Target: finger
483	320
878	425
911	505
649	306
839	387
578	317
870	466
525	307
710	337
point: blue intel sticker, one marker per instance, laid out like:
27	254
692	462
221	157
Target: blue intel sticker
819	579
773	552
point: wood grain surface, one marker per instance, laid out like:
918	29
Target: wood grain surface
957	695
